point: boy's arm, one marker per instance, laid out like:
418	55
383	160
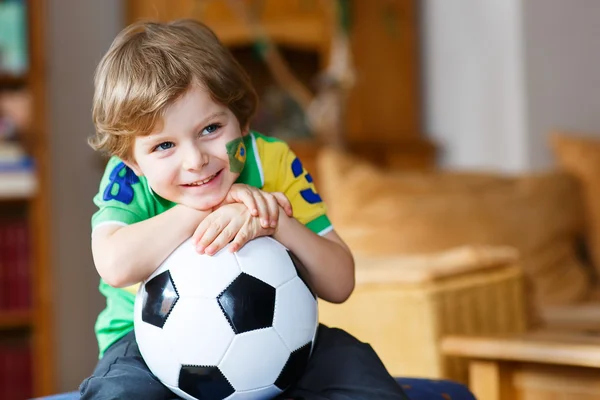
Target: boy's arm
126	255
328	261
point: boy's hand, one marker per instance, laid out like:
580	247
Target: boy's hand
227	223
261	204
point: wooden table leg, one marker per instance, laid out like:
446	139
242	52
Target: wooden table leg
490	380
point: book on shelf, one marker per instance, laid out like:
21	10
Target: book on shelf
17	184
15	295
13	38
17	174
15	267
15	369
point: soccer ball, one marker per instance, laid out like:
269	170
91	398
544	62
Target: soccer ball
228	326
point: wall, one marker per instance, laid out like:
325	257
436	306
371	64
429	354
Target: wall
78	33
563	70
500	74
473	83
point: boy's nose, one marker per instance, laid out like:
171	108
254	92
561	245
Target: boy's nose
194	160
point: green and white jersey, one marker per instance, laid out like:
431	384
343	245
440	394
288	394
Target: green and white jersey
125	199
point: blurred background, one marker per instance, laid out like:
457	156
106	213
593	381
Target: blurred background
447	136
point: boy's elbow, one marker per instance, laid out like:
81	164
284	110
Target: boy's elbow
111	272
113	266
112	276
345	286
115	280
350	288
343	292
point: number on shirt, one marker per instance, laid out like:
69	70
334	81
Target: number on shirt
123	184
309	195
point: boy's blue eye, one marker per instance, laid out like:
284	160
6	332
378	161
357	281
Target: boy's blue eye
210	129
164	146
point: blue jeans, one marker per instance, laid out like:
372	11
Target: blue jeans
340	368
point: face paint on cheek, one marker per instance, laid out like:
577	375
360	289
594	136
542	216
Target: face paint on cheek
236	150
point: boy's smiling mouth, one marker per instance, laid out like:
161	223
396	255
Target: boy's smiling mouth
203	181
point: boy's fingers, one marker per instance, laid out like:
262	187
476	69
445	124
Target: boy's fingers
250	230
263	208
208	235
284	202
247	198
241	238
273	210
221	240
199	232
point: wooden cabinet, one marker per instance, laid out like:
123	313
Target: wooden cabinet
386	96
296	23
383	121
26	316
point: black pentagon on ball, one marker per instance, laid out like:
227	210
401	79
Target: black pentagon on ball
159	299
204	382
300	270
294	367
248	303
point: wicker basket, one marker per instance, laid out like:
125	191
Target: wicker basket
403	308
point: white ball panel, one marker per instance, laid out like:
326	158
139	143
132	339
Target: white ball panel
265	393
258	257
200	275
198	331
264	346
155	348
296	314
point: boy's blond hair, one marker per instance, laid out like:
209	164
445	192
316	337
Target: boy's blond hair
150	65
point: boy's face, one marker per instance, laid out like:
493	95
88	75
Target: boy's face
189	160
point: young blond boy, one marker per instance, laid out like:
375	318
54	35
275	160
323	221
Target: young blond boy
172	108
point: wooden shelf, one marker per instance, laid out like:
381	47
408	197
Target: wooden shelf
24	196
12	81
15	320
291	23
304	33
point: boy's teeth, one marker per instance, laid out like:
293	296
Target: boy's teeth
203	182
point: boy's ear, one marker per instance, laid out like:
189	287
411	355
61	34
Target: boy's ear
134	167
246	130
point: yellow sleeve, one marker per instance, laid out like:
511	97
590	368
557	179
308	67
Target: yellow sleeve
283	172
